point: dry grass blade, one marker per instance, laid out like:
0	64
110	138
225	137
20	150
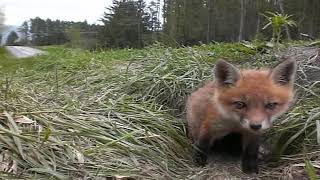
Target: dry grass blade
49	172
318	131
13	127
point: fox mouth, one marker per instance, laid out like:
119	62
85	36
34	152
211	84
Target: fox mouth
255	127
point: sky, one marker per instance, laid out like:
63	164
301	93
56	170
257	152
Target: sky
17	11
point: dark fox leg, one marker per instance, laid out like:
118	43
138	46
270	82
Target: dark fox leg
249	163
201	153
203	145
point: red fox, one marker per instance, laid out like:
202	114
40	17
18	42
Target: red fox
240	101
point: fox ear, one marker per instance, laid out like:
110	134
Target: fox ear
226	74
284	73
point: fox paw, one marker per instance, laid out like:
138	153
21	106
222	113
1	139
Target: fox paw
250	167
200	159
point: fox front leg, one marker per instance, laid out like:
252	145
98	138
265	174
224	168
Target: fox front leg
205	141
203	144
249	162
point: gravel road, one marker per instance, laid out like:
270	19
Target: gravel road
23	51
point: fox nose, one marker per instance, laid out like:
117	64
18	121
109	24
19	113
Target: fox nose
255	126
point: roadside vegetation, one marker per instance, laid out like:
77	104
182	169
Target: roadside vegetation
120	113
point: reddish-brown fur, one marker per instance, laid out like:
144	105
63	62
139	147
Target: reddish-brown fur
211	112
202	111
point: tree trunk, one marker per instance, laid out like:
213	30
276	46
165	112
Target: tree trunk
242	17
258	9
165	6
158	20
258	26
139	30
208	20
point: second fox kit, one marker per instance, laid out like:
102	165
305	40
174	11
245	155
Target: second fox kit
241	101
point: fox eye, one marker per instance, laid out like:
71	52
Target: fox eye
271	106
239	104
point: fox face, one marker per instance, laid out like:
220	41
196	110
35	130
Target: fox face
254	97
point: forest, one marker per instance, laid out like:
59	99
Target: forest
136	24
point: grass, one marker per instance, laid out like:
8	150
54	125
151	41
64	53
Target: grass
120	113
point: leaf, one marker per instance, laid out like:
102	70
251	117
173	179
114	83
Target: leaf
47	134
316	43
310	170
249	45
23	120
267	25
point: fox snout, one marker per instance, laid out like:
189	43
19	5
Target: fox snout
256	120
256	125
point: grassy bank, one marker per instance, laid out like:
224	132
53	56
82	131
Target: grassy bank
115	113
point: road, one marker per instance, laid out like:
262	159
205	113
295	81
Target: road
23	51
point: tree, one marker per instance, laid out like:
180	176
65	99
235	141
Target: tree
209	5
186	21
38	31
12	38
2	26
2	18
126	24
155	26
242	19
74	35
55	32
24	32
48	32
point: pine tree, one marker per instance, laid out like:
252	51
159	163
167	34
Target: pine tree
2	18
186	21
155	25
24	31
38	31
51	32
74	35
12	39
125	24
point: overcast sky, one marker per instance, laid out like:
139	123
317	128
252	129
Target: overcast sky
17	11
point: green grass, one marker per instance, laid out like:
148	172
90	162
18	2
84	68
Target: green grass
74	114
7	61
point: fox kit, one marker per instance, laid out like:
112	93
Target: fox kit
240	101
